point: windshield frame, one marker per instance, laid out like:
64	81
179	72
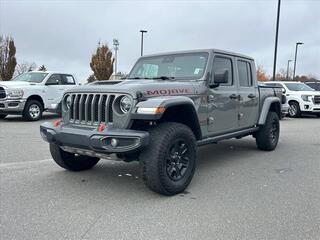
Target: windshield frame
298	83
43	73
188	78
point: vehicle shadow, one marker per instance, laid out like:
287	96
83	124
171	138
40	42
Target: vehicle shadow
18	118
125	178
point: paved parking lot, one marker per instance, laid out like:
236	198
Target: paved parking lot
238	192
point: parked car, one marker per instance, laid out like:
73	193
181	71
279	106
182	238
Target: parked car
285	105
31	93
300	97
168	105
315	85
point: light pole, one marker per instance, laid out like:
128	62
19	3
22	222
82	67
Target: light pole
276	43
116	48
295	60
142	32
288	69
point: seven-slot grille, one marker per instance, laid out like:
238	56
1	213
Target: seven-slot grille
316	99
2	93
91	108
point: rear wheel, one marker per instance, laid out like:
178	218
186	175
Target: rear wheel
294	110
33	110
70	161
268	135
3	116
168	163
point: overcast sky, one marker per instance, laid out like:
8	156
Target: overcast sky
62	35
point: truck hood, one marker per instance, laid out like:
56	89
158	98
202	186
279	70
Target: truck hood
149	88
305	93
16	84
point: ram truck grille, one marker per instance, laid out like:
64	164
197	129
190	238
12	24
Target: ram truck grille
2	93
91	108
316	99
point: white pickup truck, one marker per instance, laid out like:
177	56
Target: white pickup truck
300	97
31	93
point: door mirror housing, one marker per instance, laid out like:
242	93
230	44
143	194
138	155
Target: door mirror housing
52	82
219	77
283	90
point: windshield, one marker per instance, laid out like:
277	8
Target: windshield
174	66
31	77
298	87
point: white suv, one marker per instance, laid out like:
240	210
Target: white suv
31	93
300	97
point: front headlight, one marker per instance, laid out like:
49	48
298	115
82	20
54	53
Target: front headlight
306	98
15	93
68	101
125	104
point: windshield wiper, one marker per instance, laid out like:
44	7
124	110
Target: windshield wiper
163	78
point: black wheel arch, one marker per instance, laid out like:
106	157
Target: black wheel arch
37	98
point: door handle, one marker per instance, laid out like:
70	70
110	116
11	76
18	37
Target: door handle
233	96
251	95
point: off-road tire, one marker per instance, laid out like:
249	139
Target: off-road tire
3	116
154	160
32	104
70	161
267	136
297	111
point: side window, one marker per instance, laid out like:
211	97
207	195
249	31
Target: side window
244	73
54	79
221	64
67	80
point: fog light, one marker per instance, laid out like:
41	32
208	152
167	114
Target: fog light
114	142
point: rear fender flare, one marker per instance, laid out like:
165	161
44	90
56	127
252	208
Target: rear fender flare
266	108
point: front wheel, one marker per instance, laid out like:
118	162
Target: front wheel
3	116
168	163
70	161
294	110
33	110
267	136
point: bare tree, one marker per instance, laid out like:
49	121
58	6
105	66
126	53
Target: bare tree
8	60
91	78
102	62
25	67
42	68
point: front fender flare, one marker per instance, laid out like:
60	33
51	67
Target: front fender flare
163	101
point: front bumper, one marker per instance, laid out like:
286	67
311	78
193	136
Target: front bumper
12	106
89	141
285	109
309	107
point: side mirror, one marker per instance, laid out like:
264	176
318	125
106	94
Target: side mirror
283	90
220	77
53	82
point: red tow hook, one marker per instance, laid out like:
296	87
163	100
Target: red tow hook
101	127
56	123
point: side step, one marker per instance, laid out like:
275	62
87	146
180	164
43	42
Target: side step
225	136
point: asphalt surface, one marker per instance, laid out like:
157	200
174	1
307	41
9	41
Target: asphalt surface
238	192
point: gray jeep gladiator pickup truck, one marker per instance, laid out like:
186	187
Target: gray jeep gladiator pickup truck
167	106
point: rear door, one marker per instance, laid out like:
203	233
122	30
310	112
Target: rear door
248	94
222	100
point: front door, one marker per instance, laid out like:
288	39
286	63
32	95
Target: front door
223	99
54	90
248	94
